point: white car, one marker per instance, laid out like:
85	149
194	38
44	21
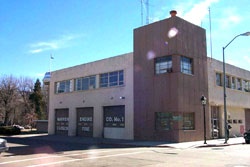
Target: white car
3	145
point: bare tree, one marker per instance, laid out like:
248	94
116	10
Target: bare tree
25	89
8	96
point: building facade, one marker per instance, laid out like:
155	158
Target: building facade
151	94
93	100
237	98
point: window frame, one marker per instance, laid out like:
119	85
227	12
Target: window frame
228	85
163	121
187	65
238	84
218	79
163	65
111	79
90	83
188	118
63	86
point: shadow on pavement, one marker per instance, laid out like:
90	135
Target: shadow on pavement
53	144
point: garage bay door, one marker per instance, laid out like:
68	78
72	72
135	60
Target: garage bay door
62	121
85	121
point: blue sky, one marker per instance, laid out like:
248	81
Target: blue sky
79	31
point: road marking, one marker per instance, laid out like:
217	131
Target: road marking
90	152
116	155
53	163
30	159
74	160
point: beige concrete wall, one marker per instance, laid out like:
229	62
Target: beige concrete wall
235	98
237	101
236	114
96	98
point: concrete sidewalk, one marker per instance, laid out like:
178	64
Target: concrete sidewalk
210	143
130	143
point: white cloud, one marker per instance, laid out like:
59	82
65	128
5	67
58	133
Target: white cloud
233	62
59	43
35	51
232	18
247	59
198	12
189	10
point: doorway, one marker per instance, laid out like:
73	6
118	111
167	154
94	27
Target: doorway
215	123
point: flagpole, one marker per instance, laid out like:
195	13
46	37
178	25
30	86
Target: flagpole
50	59
50	63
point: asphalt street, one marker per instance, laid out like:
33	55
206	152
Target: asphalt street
32	152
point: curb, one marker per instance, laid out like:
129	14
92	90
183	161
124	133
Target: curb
218	145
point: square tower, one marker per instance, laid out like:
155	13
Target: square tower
170	76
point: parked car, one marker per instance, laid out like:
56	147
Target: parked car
19	127
3	145
247	136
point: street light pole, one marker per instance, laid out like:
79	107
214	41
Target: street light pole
203	102
224	84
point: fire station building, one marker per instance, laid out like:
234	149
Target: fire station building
153	93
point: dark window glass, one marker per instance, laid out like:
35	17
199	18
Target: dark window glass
163	64
233	83
115	78
121	78
238	83
92	82
63	86
104	79
218	79
188	121
85	83
163	121
227	81
186	65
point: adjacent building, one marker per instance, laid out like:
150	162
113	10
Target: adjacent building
237	96
153	93
94	99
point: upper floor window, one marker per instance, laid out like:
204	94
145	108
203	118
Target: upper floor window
239	84
233	83
163	64
227	81
245	85
85	83
64	86
218	79
186	65
110	79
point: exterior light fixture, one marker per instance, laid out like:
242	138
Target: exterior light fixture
204	102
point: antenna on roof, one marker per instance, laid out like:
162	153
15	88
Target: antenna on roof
146	6
210	28
142	12
147	17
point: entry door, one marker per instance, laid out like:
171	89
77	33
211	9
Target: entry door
62	121
247	119
85	121
215	122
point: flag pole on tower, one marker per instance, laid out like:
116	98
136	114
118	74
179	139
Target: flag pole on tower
51	58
